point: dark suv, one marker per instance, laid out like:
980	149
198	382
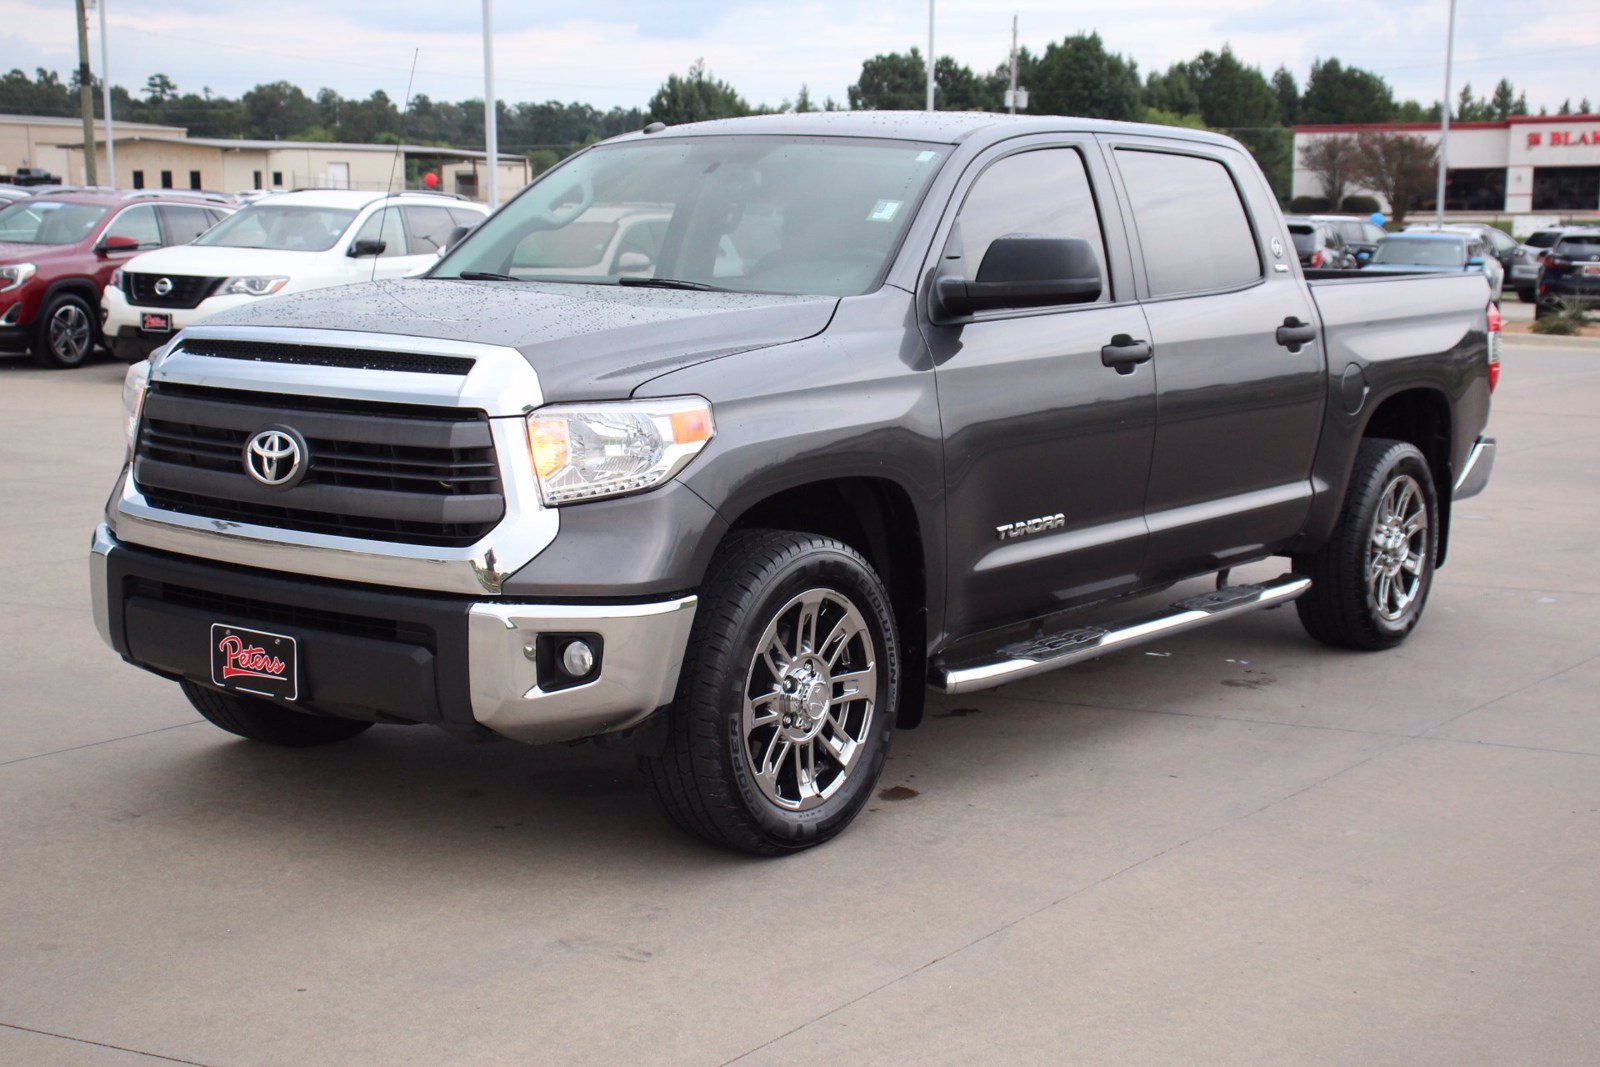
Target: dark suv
1570	272
58	251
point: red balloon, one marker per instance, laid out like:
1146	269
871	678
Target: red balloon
430	179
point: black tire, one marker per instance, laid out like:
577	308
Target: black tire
66	332
1542	309
262	720
706	778
1527	296
1342	607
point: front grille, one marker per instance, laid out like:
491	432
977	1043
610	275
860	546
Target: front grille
320	356
417	475
187	290
237	609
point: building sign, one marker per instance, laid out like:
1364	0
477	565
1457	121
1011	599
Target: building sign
1564	138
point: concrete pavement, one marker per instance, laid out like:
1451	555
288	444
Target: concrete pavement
1233	847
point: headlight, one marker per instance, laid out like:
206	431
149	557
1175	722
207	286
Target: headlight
257	286
581	452
15	274
116	279
133	390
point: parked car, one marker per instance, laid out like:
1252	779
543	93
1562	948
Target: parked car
10	194
287	243
1360	235
995	377
1420	252
1527	259
58	251
1499	244
1570	272
1319	245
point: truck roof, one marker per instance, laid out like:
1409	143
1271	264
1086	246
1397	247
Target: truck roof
948	127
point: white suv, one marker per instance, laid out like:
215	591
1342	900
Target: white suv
287	243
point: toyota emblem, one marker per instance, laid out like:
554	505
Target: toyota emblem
276	457
163	286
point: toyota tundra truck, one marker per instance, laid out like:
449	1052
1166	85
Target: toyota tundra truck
725	443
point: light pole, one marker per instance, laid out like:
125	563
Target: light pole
1011	97
105	92
490	117
1444	116
929	105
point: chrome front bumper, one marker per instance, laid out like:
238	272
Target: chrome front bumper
1475	471
642	649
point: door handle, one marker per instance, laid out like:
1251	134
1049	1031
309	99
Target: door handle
1124	353
1294	333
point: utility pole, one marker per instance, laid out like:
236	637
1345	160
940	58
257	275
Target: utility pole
1011	97
105	90
929	105
490	115
86	95
1444	115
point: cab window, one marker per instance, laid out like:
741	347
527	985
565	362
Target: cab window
1191	223
138	223
384	225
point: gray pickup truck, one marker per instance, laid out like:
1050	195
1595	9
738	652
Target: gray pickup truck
725	443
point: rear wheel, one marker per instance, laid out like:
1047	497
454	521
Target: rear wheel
273	724
1370	582
66	332
786	703
1527	296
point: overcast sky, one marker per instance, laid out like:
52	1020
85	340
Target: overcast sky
612	52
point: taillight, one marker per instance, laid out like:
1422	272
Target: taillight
1556	262
1494	347
1316	259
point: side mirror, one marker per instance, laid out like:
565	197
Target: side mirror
633	263
1025	270
363	248
455	238
117	244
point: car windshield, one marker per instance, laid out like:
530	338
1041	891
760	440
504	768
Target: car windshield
285	227
49	222
1304	238
799	215
1421	253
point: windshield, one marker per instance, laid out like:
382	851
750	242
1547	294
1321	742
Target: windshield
285	227
1304	238
49	222
801	215
1421	253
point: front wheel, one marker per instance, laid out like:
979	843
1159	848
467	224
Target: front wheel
1370	582
787	699
66	332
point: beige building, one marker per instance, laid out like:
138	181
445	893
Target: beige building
165	157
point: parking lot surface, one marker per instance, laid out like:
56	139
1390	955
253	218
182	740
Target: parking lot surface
1236	846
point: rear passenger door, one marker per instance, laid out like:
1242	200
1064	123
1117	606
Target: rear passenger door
1239	366
1047	446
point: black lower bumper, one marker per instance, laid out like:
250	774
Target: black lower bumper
132	344
382	655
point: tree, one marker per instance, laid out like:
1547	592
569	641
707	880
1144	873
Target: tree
897	81
158	89
1077	76
1238	100
1398	166
278	110
1333	161
695	98
802	100
1584	107
1288	94
1336	93
1505	102
1171	92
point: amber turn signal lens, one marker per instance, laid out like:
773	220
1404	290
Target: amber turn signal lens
551	449
690	427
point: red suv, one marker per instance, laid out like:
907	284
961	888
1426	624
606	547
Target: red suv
59	250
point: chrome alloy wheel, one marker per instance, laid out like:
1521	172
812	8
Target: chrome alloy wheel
809	699
1398	552
71	334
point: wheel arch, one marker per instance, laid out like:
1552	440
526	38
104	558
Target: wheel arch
1421	415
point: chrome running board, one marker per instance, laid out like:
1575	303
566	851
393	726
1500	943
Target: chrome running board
1028	658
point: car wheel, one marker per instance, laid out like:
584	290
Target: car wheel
66	332
273	724
786	703
1526	296
1370	582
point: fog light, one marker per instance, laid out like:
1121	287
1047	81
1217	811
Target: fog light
577	659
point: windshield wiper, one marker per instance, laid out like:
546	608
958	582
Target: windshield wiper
671	283
485	276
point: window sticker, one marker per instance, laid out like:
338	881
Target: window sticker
923	157
884	211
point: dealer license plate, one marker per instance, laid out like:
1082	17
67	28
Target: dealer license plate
155	322
255	662
1591	270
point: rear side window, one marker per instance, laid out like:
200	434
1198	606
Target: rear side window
1192	225
184	224
138	223
427	229
1041	192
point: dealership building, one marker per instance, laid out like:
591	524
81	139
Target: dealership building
1521	165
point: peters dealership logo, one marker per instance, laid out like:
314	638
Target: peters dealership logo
240	660
1565	138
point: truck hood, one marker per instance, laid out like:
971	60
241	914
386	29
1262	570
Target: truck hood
587	342
214	261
